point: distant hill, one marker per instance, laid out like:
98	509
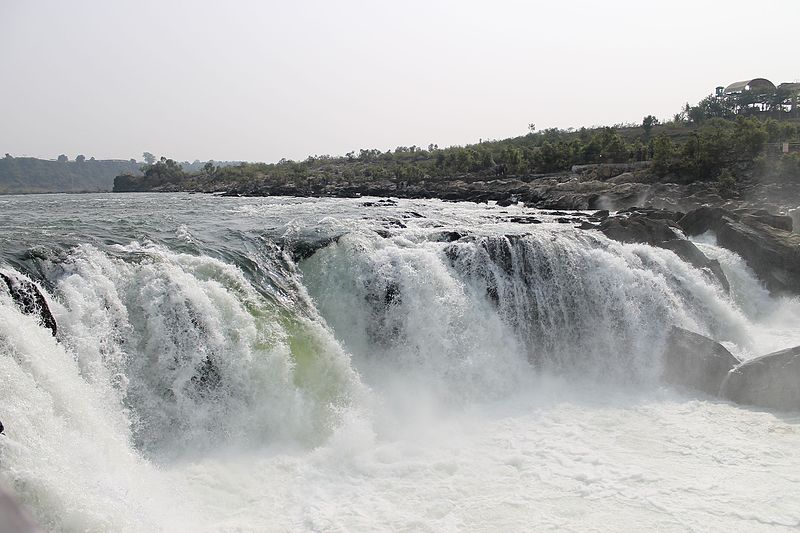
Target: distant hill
19	175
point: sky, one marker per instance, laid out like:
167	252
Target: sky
263	80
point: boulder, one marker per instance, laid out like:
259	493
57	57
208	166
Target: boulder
637	229
625	177
304	247
696	362
794	214
30	300
771	381
783	222
691	254
773	253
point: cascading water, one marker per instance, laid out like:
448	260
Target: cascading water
200	379
477	309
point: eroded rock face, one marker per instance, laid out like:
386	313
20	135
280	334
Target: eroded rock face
771	381
783	222
658	228
29	299
696	362
638	229
690	253
772	252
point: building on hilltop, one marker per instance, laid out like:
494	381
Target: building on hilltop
755	86
759	96
792	90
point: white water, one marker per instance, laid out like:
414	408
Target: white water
484	385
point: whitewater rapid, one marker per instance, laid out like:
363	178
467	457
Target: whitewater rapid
297	365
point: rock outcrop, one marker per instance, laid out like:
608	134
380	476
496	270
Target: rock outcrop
771	381
772	251
30	300
657	227
694	361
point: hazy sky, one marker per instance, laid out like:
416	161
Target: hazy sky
261	80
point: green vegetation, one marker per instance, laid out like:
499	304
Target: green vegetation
31	175
680	150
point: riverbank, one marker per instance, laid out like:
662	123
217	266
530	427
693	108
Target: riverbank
600	186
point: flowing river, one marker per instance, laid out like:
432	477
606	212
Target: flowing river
284	364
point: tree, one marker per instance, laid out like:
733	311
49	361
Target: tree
711	107
80	158
663	153
647	124
61	159
726	183
148	158
750	136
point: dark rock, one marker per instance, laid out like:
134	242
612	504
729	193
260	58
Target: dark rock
505	202
772	253
656	214
771	381
396	222
702	219
30	300
783	222
305	248
637	229
694	361
691	254
447	236
525	220
602	214
563	220
586	225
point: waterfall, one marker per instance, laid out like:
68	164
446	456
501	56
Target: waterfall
182	353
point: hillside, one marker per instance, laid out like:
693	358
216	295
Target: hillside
577	169
20	175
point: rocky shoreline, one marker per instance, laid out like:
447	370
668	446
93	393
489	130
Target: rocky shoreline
599	186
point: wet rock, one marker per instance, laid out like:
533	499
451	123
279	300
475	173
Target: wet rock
505	202
771	381
773	253
783	222
447	236
694	361
638	229
301	249
794	214
691	254
525	220
30	300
